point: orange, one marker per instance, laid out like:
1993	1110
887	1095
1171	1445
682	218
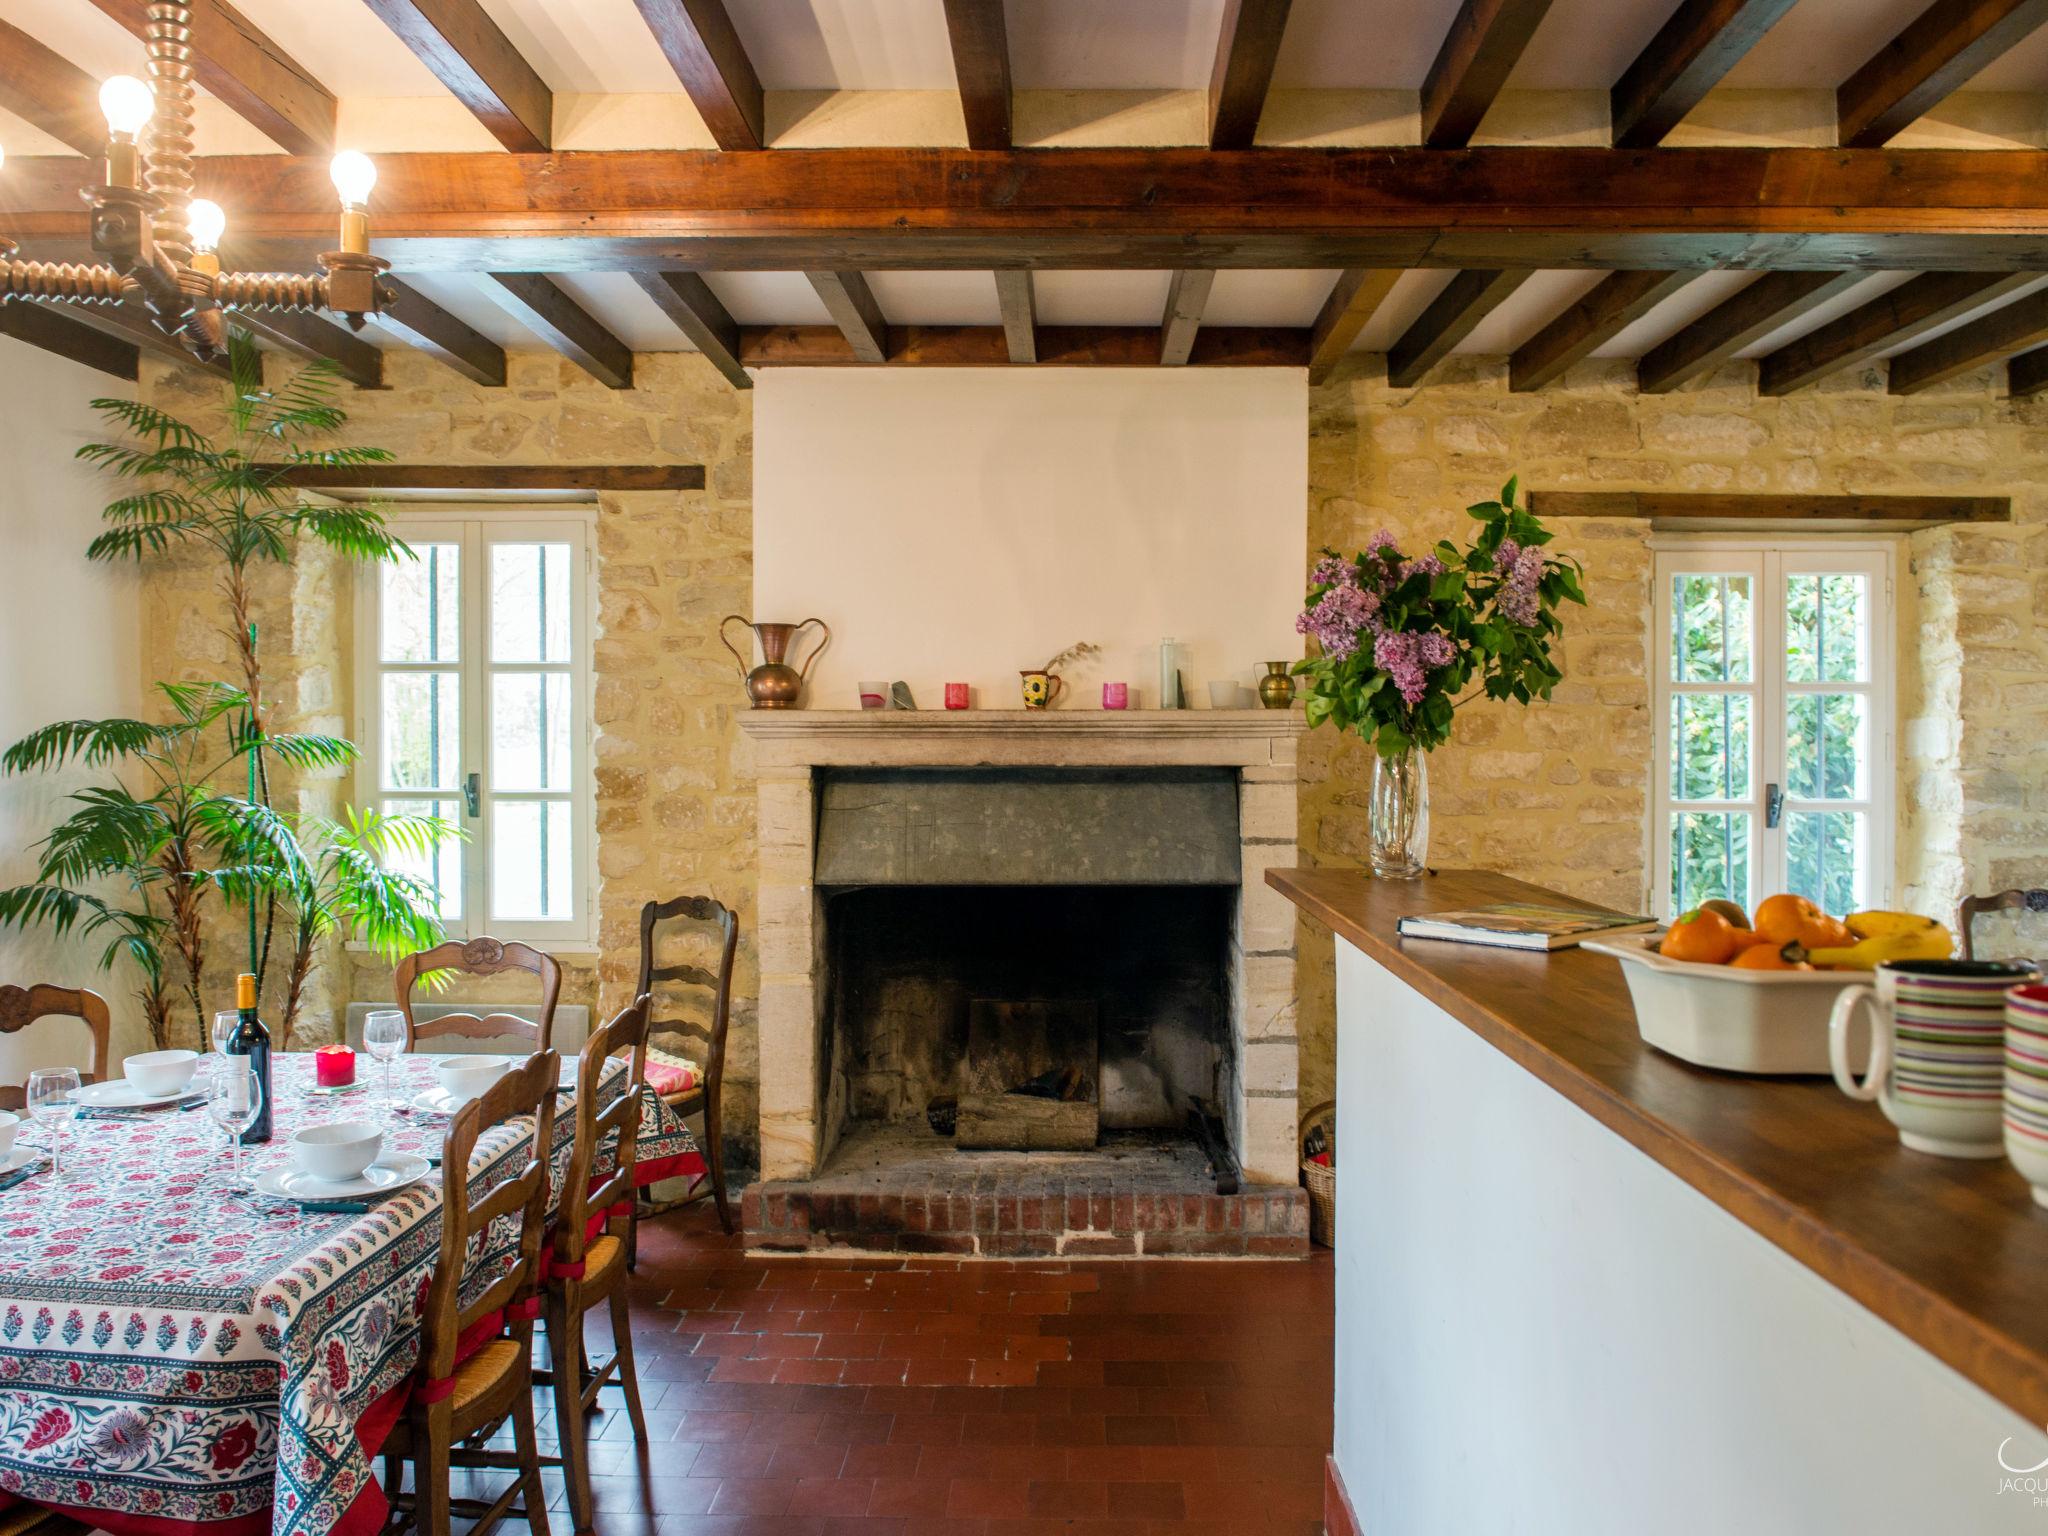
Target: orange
1703	937
1788	919
1767	957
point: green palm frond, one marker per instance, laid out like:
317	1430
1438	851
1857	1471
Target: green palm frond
134	543
388	910
384	833
110	832
333	457
200	704
155	506
89	743
146	420
358	532
132	463
307	751
248	835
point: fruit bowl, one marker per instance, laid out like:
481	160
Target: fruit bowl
1721	1016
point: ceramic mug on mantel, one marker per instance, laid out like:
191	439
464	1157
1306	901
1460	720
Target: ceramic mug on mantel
1937	1050
1040	687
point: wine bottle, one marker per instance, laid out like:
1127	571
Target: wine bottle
252	1039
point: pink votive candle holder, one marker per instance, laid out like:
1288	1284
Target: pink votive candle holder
1116	695
334	1066
956	695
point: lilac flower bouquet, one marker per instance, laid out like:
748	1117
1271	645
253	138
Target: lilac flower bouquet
1402	642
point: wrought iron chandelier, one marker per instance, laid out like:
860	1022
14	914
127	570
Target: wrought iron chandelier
158	243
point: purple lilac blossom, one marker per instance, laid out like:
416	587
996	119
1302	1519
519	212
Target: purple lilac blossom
1333	571
1427	564
1520	570
1395	653
1338	619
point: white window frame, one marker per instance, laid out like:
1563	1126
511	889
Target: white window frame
474	529
1769	562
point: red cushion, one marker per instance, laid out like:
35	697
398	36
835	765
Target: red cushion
671	1077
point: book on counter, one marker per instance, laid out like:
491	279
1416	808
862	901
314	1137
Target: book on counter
1522	925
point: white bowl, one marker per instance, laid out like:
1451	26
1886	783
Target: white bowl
159	1074
337	1152
464	1078
9	1124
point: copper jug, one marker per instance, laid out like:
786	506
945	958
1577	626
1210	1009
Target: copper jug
774	684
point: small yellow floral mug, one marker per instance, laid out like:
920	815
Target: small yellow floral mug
1040	687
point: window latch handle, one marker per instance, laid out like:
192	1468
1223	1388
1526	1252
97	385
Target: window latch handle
472	794
1774	803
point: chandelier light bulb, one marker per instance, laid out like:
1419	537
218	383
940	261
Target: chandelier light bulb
128	104
354	174
207	220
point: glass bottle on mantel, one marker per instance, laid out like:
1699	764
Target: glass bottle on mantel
252	1039
1169	675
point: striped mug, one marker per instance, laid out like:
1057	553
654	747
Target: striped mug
1937	1050
2026	1086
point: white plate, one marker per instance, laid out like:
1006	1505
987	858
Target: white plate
390	1173
18	1159
122	1094
437	1101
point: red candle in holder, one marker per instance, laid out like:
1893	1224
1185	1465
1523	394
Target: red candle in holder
334	1066
956	695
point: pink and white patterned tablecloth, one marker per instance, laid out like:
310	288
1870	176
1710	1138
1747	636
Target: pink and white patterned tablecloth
176	1357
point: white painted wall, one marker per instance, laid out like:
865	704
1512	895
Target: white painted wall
1541	1330
69	647
961	524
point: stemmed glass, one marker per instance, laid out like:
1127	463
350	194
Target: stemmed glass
224	1024
48	1096
233	1100
384	1038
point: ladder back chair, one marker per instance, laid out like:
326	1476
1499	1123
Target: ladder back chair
705	1094
587	1259
1974	907
23	1006
460	1396
481	957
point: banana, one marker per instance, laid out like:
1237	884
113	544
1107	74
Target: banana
1925	940
1874	925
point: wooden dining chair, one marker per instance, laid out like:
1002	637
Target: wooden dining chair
481	957
23	1006
587	1257
1974	907
33	1520
705	1093
465	1389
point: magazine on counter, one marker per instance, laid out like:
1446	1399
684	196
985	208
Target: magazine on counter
1522	925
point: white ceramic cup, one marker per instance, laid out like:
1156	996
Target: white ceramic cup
159	1074
9	1124
463	1078
339	1151
1226	693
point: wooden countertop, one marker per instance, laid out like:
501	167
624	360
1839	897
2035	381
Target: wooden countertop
1952	1253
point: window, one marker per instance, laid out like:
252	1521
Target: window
473	697
1774	724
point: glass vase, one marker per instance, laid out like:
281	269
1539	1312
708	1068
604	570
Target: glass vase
1400	814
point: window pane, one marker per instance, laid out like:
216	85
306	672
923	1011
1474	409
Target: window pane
530	730
1709	857
1824	747
529	602
443	868
1710	746
1827	628
422	730
1825	858
422	609
531	860
1711	618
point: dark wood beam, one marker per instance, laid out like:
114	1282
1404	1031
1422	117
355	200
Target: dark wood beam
1938	52
1477	56
701	46
1186	298
50	91
2015	328
469	54
497	477
854	310
1019	304
1449	319
1706	511
986	346
429	327
1354	300
693	309
259	81
981	66
1889	320
41	326
543	308
2027	374
131	324
1247	46
1603	312
1701	42
1776	299
312	339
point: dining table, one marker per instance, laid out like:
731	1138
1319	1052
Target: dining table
183	1356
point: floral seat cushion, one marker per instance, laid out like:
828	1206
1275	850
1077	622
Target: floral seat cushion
669	1074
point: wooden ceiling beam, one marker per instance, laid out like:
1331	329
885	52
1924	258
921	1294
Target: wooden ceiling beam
1186	298
1354	299
535	300
1887	321
48	90
2005	332
1477	56
987	346
1607	309
1700	43
1019	303
1776	299
693	309
497	477
699	41
429	327
1935	55
42	326
314	340
1247	47
1716	510
133	326
260	83
981	67
2027	374
1451	316
853	309
470	54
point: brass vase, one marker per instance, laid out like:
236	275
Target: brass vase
1276	688
775	684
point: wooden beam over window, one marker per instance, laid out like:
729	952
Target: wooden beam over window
1354	300
981	67
1887	321
1935	55
698	40
693	309
1185	300
1247	47
43	88
854	310
429	327
42	326
509	478
1450	318
312	339
2017	327
469	54
1019	304
1774	300
1477	56
987	346
1700	43
1713	511
547	311
1612	305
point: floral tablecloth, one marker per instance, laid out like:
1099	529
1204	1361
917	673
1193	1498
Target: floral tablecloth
177	1357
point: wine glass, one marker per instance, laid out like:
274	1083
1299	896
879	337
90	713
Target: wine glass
384	1038
233	1100
48	1096
224	1024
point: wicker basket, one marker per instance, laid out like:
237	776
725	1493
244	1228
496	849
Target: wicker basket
1320	1179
